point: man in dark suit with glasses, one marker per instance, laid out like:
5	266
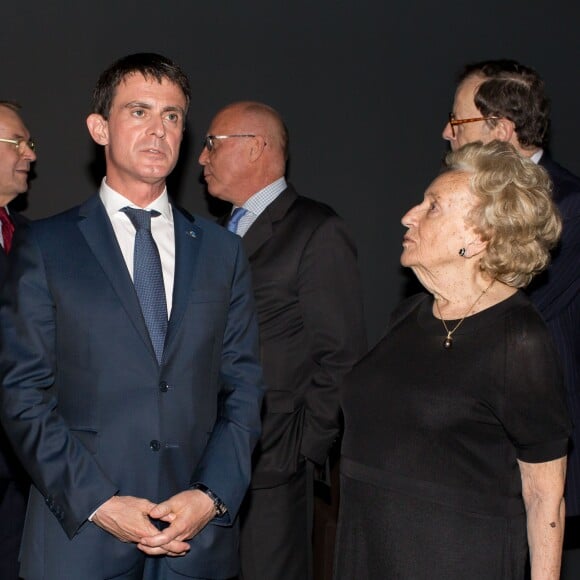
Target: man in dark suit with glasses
308	296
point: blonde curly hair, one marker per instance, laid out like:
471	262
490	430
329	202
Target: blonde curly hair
515	213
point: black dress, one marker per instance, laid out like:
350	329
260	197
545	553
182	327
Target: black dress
430	485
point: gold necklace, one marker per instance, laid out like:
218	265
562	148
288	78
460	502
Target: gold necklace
448	342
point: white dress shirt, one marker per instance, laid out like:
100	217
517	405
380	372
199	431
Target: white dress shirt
161	230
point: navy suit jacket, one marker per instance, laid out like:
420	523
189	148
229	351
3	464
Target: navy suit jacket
92	414
556	293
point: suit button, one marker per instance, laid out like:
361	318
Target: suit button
155	445
163	387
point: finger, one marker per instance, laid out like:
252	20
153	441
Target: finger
161	538
171	555
152	551
176	548
155	540
159	511
172	549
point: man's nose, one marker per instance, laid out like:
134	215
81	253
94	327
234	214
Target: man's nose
448	132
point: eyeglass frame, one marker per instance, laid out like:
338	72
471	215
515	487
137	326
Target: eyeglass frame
453	121
18	142
208	140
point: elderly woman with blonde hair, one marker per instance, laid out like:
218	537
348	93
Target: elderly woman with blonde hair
456	428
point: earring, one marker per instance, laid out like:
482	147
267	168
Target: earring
462	252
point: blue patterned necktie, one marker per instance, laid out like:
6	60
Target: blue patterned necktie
236	216
148	277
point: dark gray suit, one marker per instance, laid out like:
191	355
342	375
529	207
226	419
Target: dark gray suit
309	301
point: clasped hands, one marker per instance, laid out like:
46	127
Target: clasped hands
129	519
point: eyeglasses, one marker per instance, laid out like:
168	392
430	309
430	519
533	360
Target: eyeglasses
453	121
208	142
20	144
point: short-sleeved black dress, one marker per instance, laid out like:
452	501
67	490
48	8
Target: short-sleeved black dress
430	485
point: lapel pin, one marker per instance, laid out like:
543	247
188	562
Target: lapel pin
191	233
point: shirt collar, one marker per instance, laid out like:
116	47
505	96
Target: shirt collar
114	202
261	199
537	156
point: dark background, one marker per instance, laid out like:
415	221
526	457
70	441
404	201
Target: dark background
364	87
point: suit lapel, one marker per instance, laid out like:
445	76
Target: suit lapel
188	239
98	232
262	229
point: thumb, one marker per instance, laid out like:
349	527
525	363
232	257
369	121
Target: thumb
161	510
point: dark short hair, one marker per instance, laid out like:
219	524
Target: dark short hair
149	64
516	92
12	105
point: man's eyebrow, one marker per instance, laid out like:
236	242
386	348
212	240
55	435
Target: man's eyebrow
137	104
148	106
174	108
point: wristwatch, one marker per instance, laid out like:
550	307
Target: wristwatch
218	504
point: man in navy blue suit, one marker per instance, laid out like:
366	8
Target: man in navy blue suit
16	156
135	417
506	100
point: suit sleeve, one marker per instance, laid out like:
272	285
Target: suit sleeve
226	465
330	297
554	289
62	469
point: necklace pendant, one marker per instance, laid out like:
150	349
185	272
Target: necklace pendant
447	343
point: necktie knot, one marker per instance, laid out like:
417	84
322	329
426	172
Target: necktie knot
236	216
140	218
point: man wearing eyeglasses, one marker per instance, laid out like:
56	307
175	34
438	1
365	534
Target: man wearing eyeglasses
308	296
16	156
506	100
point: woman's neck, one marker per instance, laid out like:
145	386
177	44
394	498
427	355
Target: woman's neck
464	295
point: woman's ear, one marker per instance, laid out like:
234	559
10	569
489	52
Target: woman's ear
474	246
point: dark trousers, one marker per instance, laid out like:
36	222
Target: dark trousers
571	554
13	500
276	531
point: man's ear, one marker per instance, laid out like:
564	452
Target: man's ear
505	130
98	128
258	145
